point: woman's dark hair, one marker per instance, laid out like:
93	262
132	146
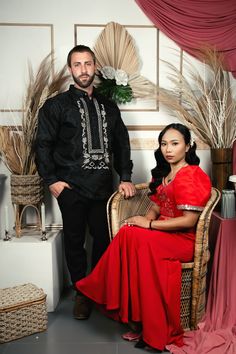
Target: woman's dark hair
162	166
80	49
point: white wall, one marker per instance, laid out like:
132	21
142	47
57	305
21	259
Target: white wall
30	28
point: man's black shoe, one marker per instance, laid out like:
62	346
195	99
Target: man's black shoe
82	307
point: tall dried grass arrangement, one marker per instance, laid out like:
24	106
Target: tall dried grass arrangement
17	143
203	101
11	146
115	47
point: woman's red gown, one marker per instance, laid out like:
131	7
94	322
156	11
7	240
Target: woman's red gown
138	278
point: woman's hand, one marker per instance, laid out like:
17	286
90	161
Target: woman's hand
141	221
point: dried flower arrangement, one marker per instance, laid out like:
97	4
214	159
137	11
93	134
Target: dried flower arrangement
119	65
204	102
114	85
17	142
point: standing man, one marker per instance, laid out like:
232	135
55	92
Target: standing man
80	138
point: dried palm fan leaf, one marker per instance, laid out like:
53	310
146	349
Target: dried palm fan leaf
116	48
140	84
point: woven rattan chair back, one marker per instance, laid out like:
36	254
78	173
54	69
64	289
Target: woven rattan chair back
193	289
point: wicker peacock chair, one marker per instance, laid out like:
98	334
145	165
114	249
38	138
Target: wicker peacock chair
193	289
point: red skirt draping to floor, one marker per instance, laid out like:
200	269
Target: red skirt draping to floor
142	265
217	331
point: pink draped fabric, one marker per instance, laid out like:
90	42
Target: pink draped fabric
193	23
217	332
234	158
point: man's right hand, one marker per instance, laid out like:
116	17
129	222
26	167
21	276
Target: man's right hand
57	187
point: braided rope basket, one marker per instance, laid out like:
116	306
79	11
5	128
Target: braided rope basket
22	312
26	189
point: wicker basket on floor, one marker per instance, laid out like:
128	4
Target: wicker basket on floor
22	312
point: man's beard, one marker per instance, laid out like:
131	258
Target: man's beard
84	84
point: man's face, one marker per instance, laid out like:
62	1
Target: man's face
82	70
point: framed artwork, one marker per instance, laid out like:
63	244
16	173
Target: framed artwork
18	48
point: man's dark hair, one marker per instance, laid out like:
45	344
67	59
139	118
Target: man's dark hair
80	49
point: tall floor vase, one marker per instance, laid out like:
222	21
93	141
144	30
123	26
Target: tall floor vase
221	167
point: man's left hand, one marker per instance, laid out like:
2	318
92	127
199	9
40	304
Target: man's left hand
127	189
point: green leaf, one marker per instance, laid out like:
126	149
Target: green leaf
114	92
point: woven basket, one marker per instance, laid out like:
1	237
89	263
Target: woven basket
22	312
26	189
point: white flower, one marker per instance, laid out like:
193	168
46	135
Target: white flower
121	77
108	72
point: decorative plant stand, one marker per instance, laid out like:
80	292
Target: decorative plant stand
26	191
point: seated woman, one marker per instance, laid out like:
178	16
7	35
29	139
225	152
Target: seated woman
138	279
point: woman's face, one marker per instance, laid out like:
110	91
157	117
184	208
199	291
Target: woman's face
173	147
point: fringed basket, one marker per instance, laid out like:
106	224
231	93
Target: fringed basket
26	189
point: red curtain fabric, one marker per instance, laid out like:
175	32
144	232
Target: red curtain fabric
194	23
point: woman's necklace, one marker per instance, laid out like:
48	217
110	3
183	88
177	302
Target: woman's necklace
172	174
